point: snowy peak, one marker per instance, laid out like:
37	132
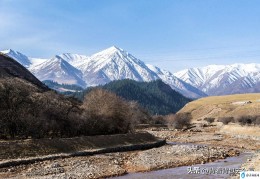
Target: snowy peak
74	59
223	79
116	54
176	83
111	50
113	64
103	67
59	70
19	57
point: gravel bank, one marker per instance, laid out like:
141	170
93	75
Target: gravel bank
115	164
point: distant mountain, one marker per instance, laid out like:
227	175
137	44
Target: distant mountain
74	59
156	96
177	84
9	67
59	70
223	79
115	64
111	64
19	57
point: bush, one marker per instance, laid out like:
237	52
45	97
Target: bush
226	120
158	119
257	120
107	113
248	120
180	120
244	120
170	118
28	112
209	119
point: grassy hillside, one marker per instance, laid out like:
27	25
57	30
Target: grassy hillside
224	106
156	96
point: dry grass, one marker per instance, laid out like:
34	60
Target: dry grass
236	129
222	106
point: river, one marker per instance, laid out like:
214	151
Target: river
182	172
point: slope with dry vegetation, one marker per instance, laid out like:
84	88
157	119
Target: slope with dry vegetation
224	106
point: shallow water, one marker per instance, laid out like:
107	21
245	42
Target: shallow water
182	172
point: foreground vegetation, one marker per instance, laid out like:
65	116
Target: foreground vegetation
26	111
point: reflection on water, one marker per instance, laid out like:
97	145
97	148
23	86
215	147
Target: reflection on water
182	172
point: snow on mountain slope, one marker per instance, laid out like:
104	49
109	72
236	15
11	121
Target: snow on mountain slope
114	64
223	79
19	57
36	61
59	70
110	64
176	83
74	59
23	59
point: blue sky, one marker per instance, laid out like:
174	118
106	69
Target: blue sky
172	34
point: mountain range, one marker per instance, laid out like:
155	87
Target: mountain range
115	64
98	69
224	79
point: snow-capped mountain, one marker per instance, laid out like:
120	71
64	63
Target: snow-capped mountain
59	70
110	64
23	59
176	83
74	59
223	79
114	64
19	57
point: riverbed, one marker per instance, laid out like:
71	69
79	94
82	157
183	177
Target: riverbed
231	163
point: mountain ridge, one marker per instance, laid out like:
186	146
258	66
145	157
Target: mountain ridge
10	68
108	65
223	79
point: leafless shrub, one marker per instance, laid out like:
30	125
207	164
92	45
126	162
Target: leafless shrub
248	120
180	120
158	119
226	120
209	119
107	113
257	120
26	112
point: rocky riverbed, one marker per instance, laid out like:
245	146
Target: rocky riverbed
115	164
194	146
209	135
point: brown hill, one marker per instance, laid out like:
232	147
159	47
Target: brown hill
224	106
11	68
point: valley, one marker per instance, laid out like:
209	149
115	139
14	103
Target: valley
121	128
129	89
199	145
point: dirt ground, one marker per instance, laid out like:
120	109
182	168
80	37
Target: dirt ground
206	143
